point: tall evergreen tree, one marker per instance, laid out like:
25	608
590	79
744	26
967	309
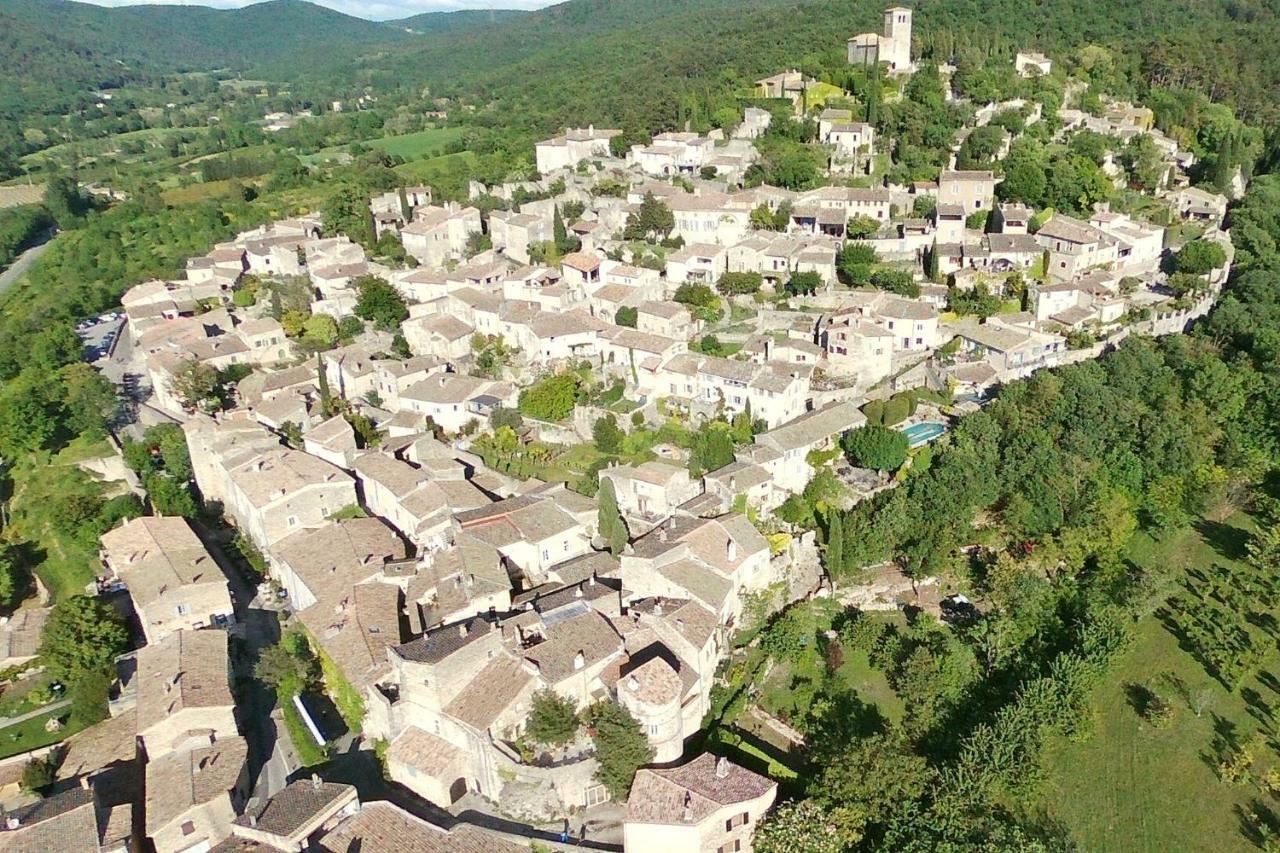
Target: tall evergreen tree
835	542
559	233
322	382
1224	167
609	520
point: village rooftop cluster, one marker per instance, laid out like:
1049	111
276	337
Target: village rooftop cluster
382	480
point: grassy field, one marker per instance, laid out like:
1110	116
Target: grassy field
1130	786
43	488
30	734
449	172
416	146
422	145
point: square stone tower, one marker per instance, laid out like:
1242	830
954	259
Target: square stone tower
895	48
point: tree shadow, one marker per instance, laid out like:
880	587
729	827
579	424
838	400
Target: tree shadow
1228	540
1257	822
1226	740
1140	697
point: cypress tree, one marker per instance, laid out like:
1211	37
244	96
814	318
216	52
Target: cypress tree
835	542
609	520
849	523
559	233
322	381
1224	165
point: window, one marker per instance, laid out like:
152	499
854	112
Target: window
182	609
188	827
293	521
546	554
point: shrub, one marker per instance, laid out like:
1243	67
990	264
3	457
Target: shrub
876	446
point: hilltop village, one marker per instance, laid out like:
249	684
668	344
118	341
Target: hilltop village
503	496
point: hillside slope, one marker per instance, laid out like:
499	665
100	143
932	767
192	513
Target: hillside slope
178	38
463	19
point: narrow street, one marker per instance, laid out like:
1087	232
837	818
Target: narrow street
23	263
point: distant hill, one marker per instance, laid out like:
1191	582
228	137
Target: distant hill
463	19
181	38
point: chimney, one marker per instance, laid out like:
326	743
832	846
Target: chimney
577	593
733	482
579	661
657	607
633	684
462	630
688	807
731	550
662	534
722	767
315	782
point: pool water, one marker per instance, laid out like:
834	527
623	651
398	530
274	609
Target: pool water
923	433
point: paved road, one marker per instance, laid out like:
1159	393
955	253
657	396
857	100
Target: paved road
25	260
5	722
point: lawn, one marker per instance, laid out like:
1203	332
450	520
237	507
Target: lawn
420	145
449	172
1129	786
871	685
30	734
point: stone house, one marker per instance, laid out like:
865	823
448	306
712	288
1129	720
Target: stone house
174	583
283	491
708	805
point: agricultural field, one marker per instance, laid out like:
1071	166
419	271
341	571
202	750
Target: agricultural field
1131	784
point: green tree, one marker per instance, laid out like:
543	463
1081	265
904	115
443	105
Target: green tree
320	332
900	282
83	636
39	774
862	227
652	221
552	719
171	497
855	262
607	434
797	827
627	316
88	399
1199	257
804	283
834	553
613	528
63	199
378	301
621	747
735	283
551	399
195	384
712	449
875	446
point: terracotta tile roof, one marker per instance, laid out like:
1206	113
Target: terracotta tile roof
299	804
65	823
180	781
693	792
380	826
490	693
435	646
653	683
588	634
188	669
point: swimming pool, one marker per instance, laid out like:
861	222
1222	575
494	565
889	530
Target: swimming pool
923	433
